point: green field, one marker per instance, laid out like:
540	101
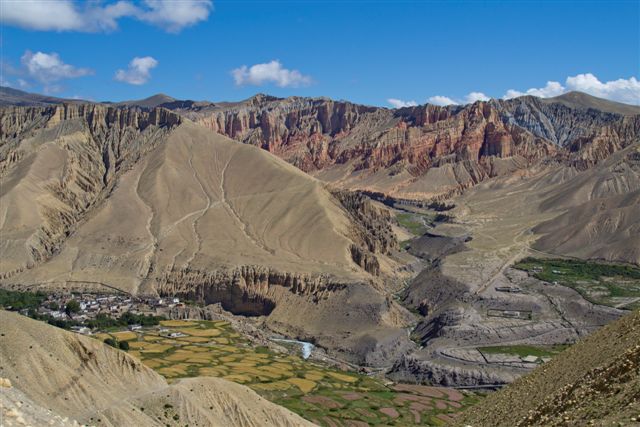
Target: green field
415	223
524	350
316	391
601	283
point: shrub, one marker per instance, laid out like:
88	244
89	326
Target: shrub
72	307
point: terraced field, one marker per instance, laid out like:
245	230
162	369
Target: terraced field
324	395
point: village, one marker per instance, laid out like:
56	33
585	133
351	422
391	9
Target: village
82	311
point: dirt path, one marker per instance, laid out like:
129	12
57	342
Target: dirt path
242	225
200	212
510	261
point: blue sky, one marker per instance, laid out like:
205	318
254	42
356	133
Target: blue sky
364	51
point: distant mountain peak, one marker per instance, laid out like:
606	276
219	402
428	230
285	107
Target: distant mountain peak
575	99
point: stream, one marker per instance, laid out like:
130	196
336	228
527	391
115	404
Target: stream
305	347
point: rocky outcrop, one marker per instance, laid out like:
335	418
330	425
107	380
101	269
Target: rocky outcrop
587	135
411	369
374	224
372	230
316	133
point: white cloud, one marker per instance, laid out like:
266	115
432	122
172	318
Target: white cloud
475	96
48	68
173	16
399	103
68	15
470	98
441	100
621	90
269	72
138	72
550	90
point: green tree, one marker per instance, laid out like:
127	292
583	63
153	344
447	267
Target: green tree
112	342
124	345
72	307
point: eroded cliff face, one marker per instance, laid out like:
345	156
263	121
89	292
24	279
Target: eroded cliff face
247	290
70	155
586	135
316	133
372	231
392	151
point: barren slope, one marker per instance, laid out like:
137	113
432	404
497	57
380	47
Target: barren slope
602	217
201	203
595	382
85	380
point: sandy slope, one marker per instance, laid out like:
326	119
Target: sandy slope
81	379
199	201
602	217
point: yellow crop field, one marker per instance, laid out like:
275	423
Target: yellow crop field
197	349
343	377
125	335
155	348
238	378
195	339
177	323
196	332
137	344
314	375
304	385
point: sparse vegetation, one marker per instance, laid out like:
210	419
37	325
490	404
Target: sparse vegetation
601	283
415	223
112	342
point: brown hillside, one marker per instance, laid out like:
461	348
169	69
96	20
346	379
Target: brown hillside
595	382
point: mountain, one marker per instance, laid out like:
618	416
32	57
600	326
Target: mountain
150	102
595	382
424	152
14	97
54	375
265	206
147	202
581	100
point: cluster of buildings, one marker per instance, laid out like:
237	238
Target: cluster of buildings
90	305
